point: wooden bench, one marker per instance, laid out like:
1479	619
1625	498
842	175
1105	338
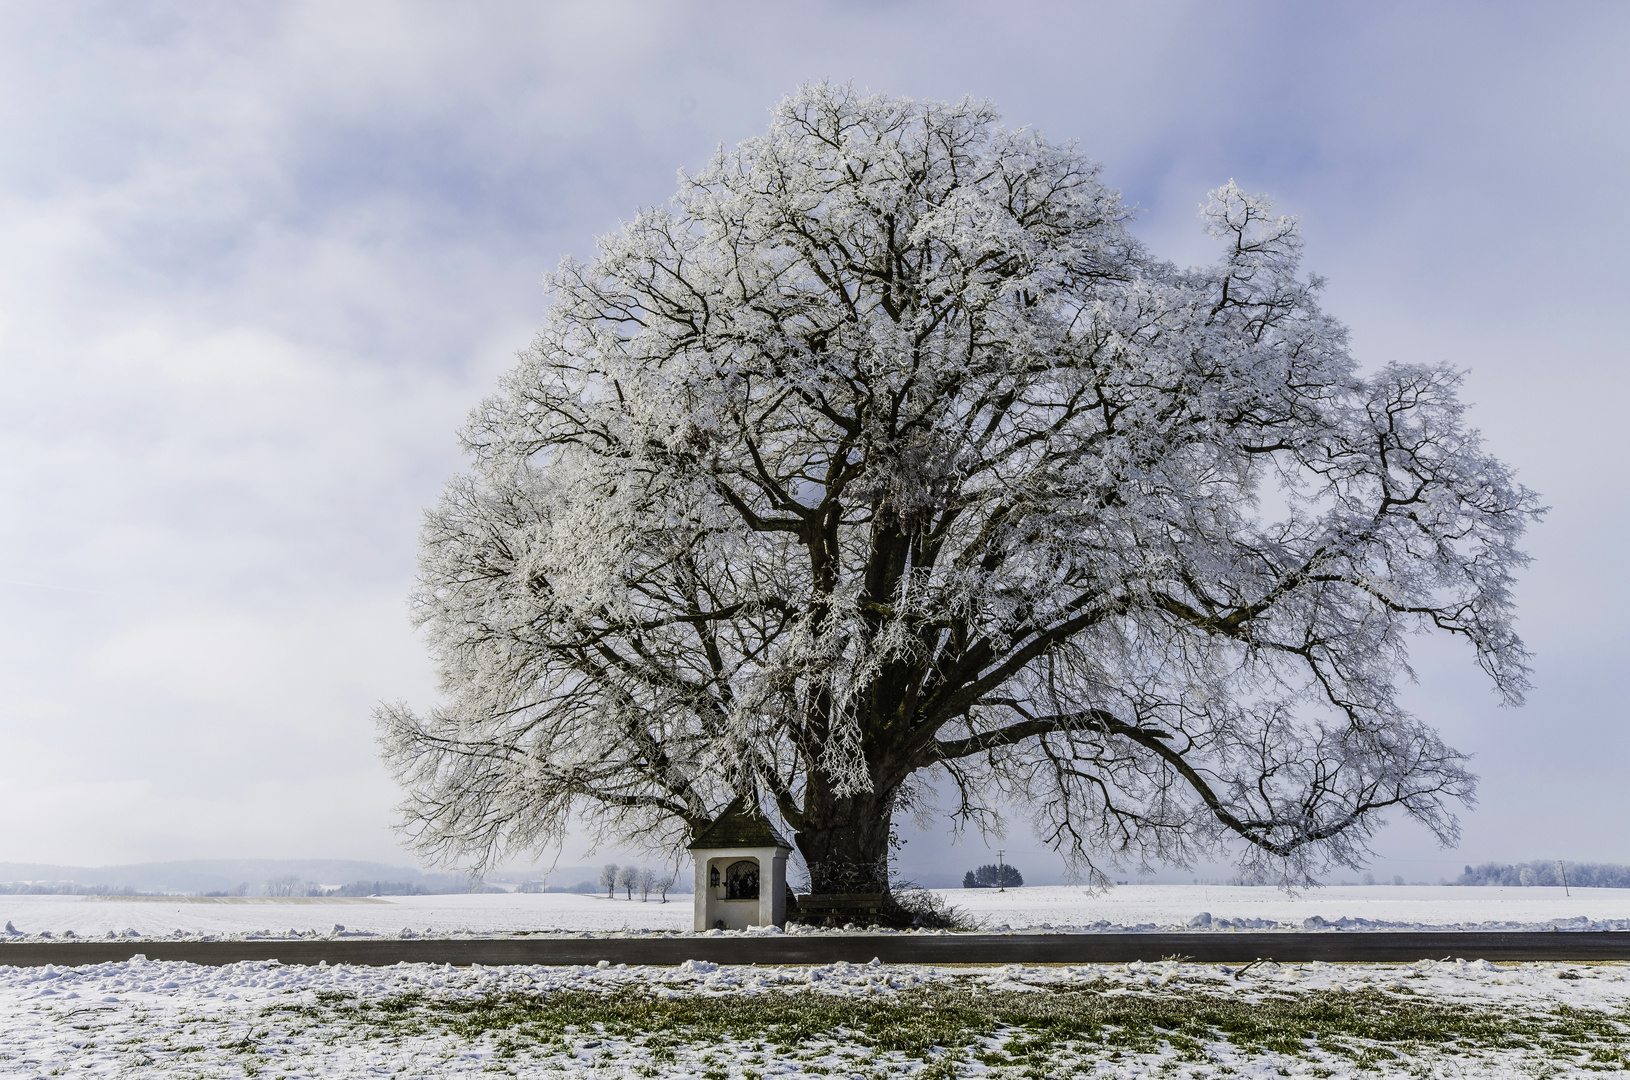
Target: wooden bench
836	908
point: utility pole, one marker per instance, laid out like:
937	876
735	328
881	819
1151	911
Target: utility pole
1564	870
1001	872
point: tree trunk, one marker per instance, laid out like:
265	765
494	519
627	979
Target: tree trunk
845	840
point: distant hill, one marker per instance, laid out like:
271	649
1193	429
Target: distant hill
227	875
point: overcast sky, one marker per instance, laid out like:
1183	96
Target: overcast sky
258	261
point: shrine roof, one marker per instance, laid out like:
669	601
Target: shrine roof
740	825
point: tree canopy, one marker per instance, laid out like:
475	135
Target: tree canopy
885	471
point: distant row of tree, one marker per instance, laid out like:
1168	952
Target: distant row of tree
293	885
545	887
379	888
991	876
629	878
1582	875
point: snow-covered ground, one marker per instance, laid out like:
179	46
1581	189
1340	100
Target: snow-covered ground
266	1018
1395	907
1146	907
143	1018
147	1018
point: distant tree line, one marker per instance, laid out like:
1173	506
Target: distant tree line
1583	875
991	876
379	888
584	886
293	885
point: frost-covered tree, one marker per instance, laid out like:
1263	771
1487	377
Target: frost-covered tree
627	879
608	879
886	465
288	885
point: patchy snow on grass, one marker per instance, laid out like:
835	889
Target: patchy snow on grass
1130	907
1443	1018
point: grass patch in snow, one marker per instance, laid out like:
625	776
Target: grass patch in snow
935	1029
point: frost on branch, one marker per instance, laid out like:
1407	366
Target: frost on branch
886	461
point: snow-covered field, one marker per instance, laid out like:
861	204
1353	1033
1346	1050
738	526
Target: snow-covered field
1146	907
1391	907
142	1018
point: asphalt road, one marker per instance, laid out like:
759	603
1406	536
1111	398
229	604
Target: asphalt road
856	948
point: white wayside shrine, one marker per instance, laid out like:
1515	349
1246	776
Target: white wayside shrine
741	871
